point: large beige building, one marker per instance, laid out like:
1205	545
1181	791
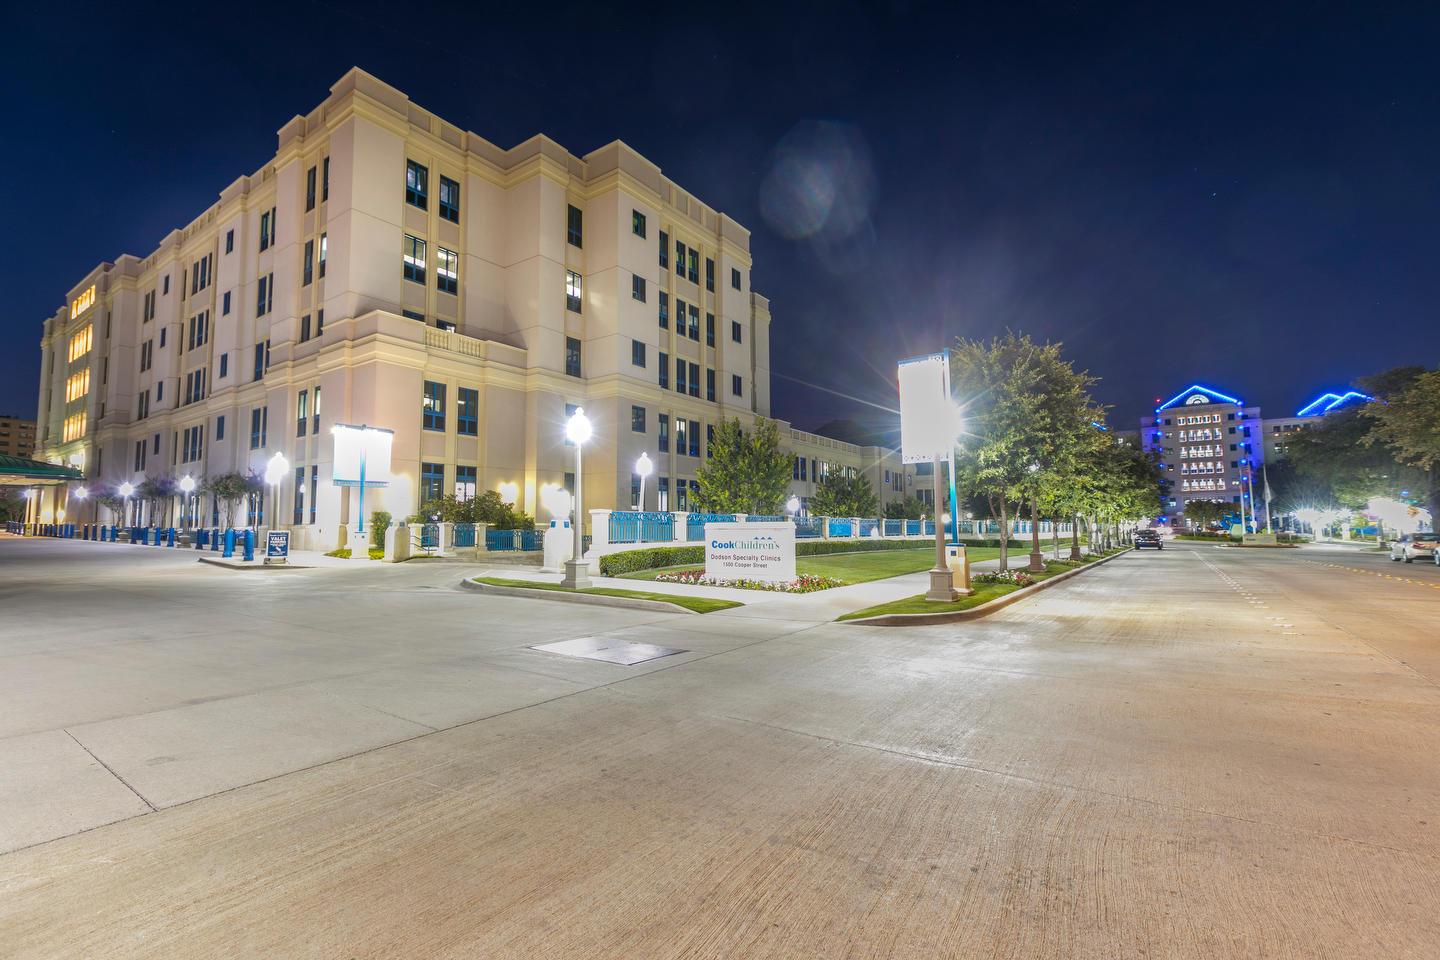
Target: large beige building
17	436
386	268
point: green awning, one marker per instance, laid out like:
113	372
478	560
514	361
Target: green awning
18	471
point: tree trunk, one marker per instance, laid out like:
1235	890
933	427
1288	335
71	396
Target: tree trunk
1004	536
1075	539
1037	562
1055	538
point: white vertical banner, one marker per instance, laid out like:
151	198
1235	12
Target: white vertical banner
927	415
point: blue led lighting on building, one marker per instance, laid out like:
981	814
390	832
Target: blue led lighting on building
1329	401
1214	395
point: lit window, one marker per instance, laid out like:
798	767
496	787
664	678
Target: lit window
637	223
413	250
572	291
637	288
572	357
449	200
467	411
416	184
433	406
447	270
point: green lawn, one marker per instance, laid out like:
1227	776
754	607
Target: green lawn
856	567
984	593
698	604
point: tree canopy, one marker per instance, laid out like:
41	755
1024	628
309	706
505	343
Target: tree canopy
746	472
837	495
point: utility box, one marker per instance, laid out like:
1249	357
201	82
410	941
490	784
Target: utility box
959	564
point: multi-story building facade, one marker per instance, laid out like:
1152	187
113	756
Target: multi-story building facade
17	436
1214	447
389	269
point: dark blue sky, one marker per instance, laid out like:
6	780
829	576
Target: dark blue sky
1245	196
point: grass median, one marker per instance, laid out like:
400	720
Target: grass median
984	593
698	604
854	567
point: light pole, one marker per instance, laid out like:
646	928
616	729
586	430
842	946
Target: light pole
80	494
643	468
274	473
577	569
187	486
793	506
125	490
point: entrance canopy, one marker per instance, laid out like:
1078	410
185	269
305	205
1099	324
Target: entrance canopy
20	472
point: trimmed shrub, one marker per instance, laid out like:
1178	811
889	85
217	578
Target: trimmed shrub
379	523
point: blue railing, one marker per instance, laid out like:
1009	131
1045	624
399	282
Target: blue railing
464	534
695	526
635	527
501	540
809	527
894	528
868	527
756	519
839	528
914	528
429	536
535	540
929	528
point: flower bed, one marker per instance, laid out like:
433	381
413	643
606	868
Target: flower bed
805	583
1020	578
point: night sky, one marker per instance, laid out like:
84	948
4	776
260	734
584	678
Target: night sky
1242	196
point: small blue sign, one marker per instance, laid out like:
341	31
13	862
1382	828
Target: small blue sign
277	545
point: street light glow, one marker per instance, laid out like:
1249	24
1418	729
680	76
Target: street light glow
793	505
126	489
275	469
187	483
577	428
644	467
82	493
508	492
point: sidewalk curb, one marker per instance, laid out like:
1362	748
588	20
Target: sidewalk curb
594	599
253	565
984	609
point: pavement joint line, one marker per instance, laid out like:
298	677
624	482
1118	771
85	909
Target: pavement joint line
1059	785
112	773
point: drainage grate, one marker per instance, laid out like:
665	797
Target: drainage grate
609	650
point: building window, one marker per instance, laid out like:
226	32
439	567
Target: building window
694	274
308	270
219	428
300	491
664	250
259	361
319	322
709	440
225	304
637	419
735	330
309	198
434	406
572	357
637	223
572	290
229	241
302	412
432	482
695	380
709	329
416	184
259	425
709	384
413	251
264	240
680	375
664	310
735	278
637	353
574	226
467	412
664	367
735	384
694	438
637	288
695	322
412	315
682	429
447	270
262	288
709	274
682	500
305	328
465	483
680	258
449	200
662	495
324	195
315	412
662	430
224	365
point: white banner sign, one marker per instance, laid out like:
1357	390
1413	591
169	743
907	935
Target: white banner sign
927	414
750	551
355	446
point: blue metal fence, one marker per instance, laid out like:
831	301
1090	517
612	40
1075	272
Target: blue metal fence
809	527
839	528
464	534
429	536
758	519
913	528
501	540
869	527
635	527
695	526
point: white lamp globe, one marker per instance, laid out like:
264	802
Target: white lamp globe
187	483
82	493
275	469
793	505
126	489
577	428
644	467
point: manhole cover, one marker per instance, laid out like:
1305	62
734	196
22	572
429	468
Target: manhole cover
608	650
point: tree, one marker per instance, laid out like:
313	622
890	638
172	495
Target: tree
1335	452
910	508
1206	513
837	495
486	508
229	489
12	504
1405	420
746	472
1026	410
115	504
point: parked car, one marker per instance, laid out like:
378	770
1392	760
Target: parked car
1148	538
1414	545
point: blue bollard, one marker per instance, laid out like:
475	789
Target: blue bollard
199	539
249	545
229	544
215	539
171	539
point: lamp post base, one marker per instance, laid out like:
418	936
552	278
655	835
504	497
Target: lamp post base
577	575
942	586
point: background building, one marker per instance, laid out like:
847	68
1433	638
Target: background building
386	268
1214	447
17	436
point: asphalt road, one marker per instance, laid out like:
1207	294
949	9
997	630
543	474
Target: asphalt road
1203	752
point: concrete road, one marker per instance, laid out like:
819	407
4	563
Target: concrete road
1206	752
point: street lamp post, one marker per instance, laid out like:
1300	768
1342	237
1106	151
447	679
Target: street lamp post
80	494
643	469
577	569
187	487
125	490
274	473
